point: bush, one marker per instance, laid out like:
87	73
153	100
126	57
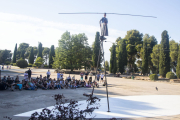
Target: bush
30	65
34	65
22	63
153	77
170	75
14	64
7	62
46	66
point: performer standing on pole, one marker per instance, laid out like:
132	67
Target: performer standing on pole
103	25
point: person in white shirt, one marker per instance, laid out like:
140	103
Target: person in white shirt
48	74
61	74
58	75
102	76
69	78
26	76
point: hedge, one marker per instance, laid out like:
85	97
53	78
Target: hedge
153	77
22	63
170	75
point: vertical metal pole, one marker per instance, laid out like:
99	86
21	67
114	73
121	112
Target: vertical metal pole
105	76
0	74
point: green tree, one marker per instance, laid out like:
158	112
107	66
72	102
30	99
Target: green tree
22	50
133	41
45	53
14	54
151	43
173	46
51	55
5	56
40	49
113	63
155	57
70	52
96	48
107	65
121	55
31	56
28	51
145	55
39	61
87	58
178	65
164	58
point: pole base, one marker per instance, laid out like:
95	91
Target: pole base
108	111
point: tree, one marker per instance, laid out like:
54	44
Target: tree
28	51
40	49
70	54
31	56
178	65
113	64
151	43
22	50
22	63
51	55
107	65
45	53
145	55
164	59
39	61
133	40
96	48
121	55
155	57
14	54
173	46
5	56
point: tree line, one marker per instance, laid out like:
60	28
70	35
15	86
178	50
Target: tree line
135	52
138	52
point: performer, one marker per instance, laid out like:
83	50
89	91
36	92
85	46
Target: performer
103	25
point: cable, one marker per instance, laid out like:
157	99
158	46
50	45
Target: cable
109	13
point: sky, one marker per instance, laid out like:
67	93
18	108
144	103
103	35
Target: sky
33	21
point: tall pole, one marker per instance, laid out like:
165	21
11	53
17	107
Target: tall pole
105	75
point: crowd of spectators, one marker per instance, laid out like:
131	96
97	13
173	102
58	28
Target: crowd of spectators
47	82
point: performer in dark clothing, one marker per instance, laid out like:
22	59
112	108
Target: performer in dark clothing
29	74
104	29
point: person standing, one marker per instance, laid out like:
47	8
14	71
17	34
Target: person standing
86	76
103	25
58	75
81	74
48	74
90	77
26	76
102	76
98	76
29	73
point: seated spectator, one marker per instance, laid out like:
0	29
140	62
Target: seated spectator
10	83
4	83
62	83
32	85
17	83
66	84
58	84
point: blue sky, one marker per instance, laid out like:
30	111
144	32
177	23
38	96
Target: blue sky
38	20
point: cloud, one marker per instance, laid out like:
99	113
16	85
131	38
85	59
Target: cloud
17	28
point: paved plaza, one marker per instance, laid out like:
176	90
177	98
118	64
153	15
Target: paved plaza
17	102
